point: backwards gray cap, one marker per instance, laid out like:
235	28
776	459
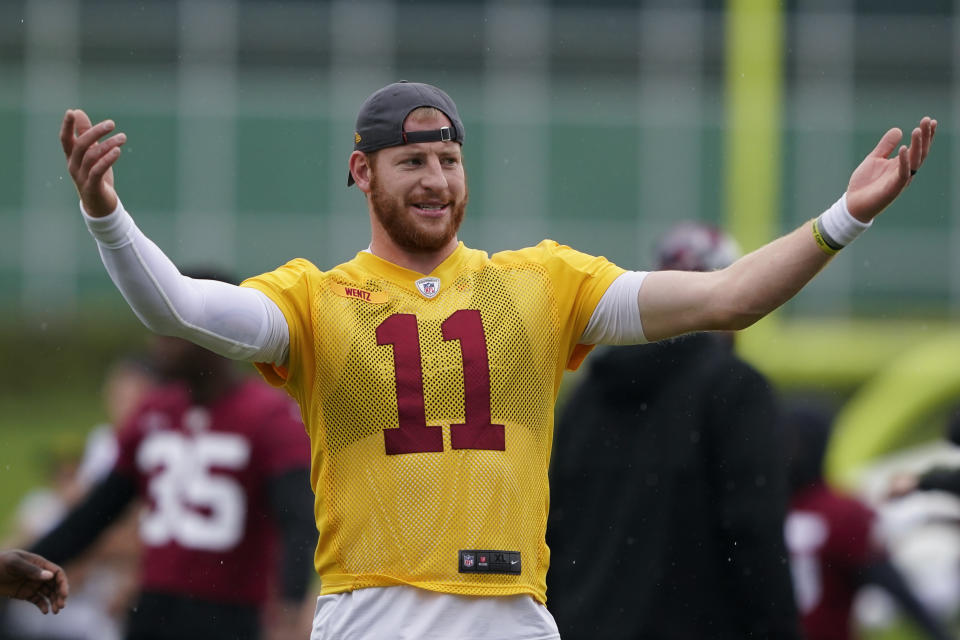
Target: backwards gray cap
381	116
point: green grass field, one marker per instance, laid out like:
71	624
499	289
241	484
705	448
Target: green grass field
50	393
36	428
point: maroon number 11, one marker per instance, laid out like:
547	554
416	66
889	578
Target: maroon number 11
413	434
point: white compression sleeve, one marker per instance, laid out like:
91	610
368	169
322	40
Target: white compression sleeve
616	320
235	322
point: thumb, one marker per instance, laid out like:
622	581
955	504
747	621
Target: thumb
883	149
29	570
81	121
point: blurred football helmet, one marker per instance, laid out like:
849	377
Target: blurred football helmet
695	246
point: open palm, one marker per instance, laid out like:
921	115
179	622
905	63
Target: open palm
880	178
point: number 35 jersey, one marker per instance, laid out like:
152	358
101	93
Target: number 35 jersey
202	471
429	401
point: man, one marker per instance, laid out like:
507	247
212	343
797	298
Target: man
27	576
667	496
426	372
834	547
222	463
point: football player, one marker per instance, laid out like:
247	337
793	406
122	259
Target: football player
221	463
426	371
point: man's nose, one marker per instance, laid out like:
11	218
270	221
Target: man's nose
433	176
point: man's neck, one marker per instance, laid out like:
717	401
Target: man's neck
421	262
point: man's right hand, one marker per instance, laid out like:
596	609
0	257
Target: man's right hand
91	162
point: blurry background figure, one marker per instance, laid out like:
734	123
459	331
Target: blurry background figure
126	383
670	449
937	478
104	579
834	542
221	462
917	493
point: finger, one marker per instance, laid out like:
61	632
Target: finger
28	570
904	160
924	139
916	148
53	598
91	134
94	154
887	143
41	603
66	132
63	586
81	121
98	170
58	602
87	137
81	124
929	126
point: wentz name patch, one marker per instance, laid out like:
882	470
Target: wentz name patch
373	297
489	561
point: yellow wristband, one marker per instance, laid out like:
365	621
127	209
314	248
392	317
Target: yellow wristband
818	236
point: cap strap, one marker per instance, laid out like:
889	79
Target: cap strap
443	134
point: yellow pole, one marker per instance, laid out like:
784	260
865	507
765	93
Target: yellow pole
754	79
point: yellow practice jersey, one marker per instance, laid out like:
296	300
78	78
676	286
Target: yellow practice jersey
429	401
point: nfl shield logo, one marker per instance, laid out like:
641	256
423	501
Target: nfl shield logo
428	286
467	560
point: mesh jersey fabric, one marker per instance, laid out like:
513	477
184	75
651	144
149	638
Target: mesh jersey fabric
431	418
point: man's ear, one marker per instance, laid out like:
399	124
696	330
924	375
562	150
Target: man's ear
361	170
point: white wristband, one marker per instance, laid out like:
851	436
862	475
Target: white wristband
837	224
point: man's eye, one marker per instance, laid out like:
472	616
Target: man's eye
451	162
413	162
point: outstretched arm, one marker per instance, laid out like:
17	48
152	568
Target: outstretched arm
27	576
86	521
676	302
235	322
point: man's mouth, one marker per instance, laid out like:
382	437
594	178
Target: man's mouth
431	209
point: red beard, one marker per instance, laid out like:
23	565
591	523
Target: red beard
394	217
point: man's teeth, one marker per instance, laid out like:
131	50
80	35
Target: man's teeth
430	207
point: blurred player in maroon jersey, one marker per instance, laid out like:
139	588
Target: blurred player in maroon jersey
222	463
832	542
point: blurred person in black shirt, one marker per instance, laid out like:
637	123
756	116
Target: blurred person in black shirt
668	493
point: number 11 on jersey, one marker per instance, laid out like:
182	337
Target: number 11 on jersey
413	434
